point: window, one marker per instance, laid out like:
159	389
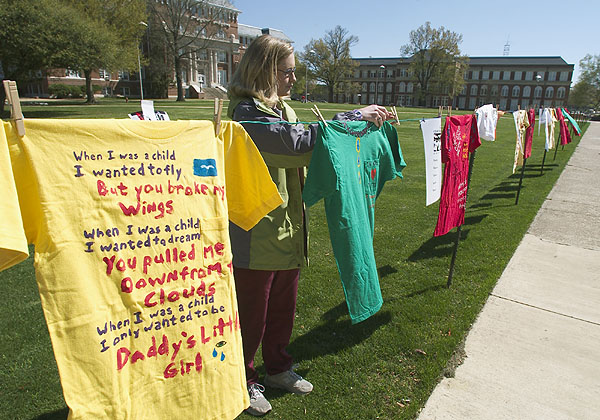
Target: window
364	87
123	75
516	90
401	87
463	91
560	93
494	90
537	93
483	91
476	75
125	91
388	88
551	76
527	92
504	92
564	76
549	92
473	90
496	75
104	74
529	75
541	75
372	87
485	75
221	56
73	73
505	75
390	73
518	75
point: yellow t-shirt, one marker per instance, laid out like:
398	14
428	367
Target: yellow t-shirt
13	245
133	262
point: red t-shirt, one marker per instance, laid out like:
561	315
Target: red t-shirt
565	136
459	138
529	133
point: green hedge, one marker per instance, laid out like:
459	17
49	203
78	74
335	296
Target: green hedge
61	91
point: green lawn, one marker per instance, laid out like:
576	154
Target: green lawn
382	368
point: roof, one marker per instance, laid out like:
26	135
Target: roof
477	61
255	32
223	3
525	61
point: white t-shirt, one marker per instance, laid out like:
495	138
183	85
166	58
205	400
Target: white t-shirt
487	118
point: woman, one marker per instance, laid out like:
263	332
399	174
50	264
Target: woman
267	259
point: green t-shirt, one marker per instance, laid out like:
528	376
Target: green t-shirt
351	162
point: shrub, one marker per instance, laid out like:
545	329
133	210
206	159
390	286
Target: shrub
61	91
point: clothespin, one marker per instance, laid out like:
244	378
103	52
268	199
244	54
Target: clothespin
217	115
12	94
395	114
317	112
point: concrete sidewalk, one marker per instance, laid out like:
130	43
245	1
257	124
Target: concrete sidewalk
534	351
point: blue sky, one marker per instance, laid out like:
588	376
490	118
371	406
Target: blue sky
570	29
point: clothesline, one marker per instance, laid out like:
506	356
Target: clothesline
315	122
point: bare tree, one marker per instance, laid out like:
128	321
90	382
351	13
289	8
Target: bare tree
436	60
329	60
188	28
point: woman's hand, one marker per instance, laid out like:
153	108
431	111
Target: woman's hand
376	114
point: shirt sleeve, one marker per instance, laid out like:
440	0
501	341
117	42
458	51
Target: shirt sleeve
13	242
322	179
251	193
446	138
283	145
474	140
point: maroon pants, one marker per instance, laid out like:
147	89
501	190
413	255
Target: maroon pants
267	306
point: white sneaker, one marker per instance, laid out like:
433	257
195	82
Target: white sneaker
290	381
259	406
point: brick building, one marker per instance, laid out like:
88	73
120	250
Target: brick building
206	74
507	81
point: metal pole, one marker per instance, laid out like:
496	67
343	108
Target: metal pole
458	231
521	181
140	70
543	160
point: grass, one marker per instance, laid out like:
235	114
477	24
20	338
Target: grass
382	368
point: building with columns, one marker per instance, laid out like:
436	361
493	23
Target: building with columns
213	60
510	82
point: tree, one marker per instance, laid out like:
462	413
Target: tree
187	28
34	35
328	59
586	92
110	35
436	60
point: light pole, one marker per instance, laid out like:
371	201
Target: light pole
140	66
311	52
382	68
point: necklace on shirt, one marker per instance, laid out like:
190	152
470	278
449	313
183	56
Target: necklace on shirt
358	135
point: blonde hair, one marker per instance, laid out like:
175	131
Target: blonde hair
256	75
